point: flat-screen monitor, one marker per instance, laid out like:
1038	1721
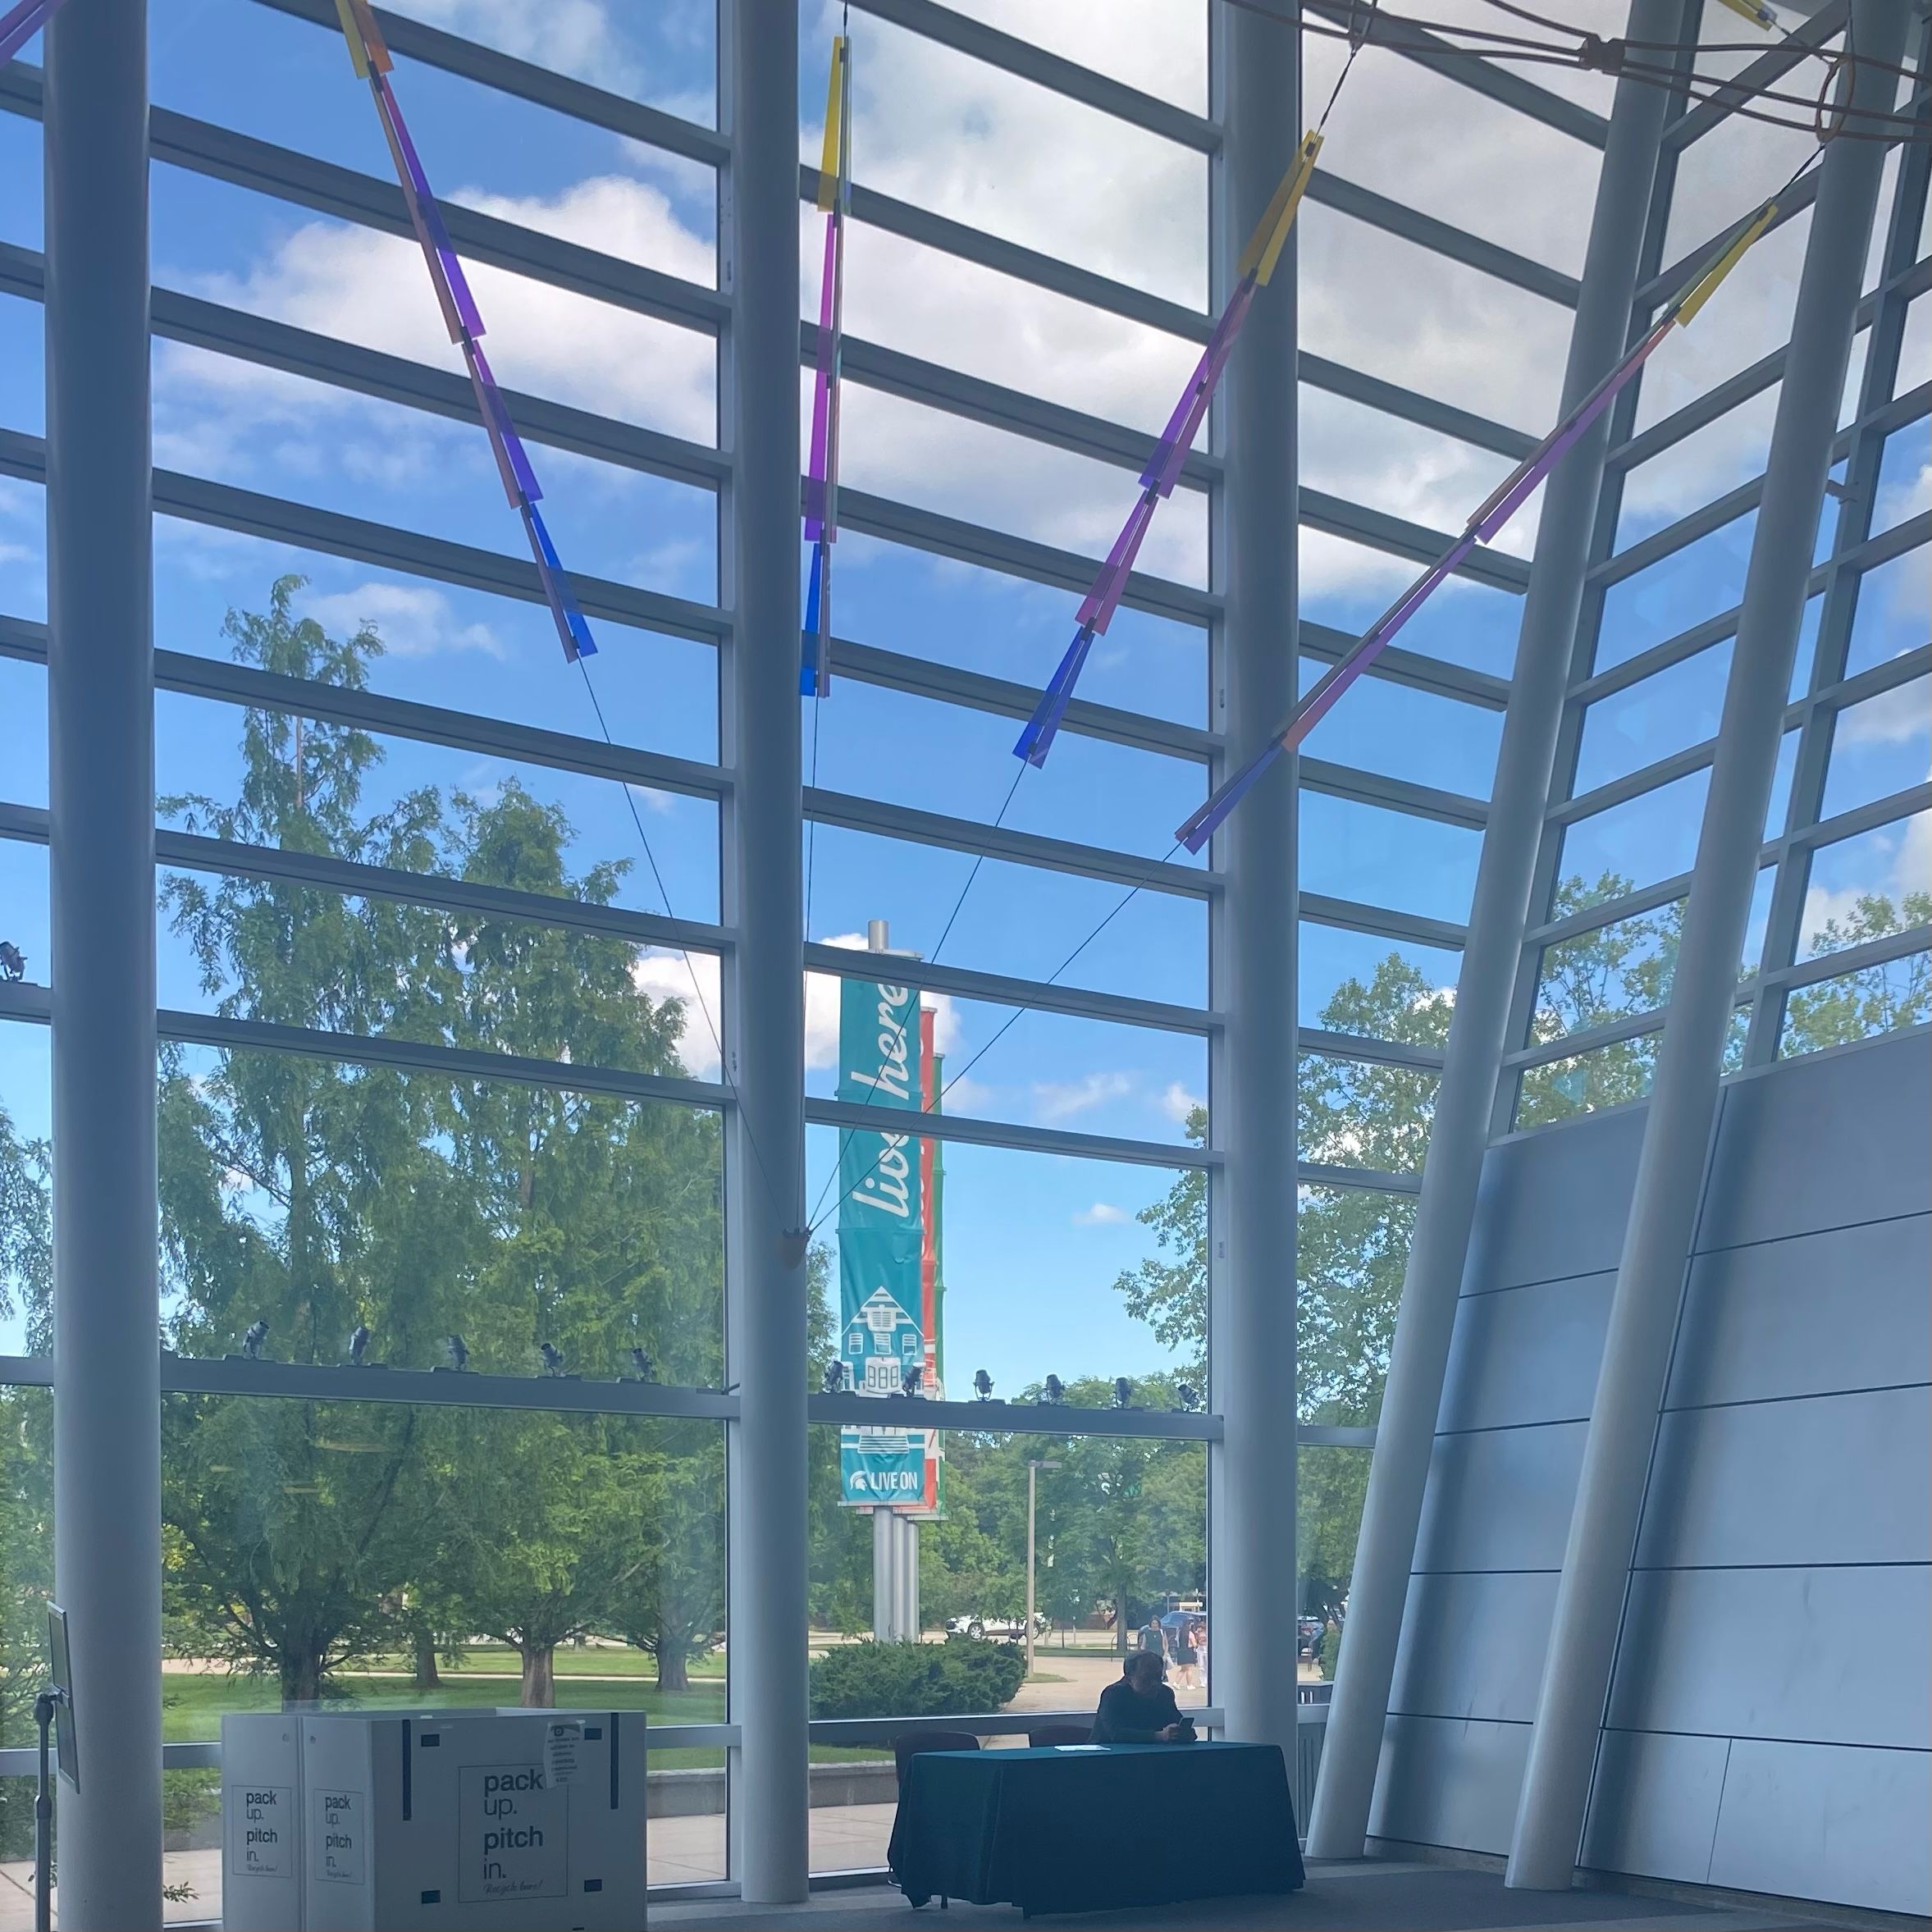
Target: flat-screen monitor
66	1747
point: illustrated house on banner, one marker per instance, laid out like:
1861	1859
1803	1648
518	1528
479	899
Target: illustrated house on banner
881	1342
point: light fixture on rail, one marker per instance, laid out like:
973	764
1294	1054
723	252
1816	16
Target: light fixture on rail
833	1380
1053	1390
553	1358
358	1346
253	1337
982	1385
910	1377
1186	1399
458	1350
1123	1392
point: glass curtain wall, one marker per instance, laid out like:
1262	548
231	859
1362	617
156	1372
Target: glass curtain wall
1837	948
441	1088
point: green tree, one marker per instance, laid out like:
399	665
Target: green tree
1871	999
319	1195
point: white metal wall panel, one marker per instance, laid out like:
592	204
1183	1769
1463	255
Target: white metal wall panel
1849	1309
1823	1142
1770	1717
1589	1167
1473	1645
1446	1781
1822	1479
1797	1654
1499	1499
1653	1811
1526	1354
1827	1821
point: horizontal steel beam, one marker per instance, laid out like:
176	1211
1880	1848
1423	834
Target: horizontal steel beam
1015	556
1413	668
545	86
1030	995
334	1382
981	1723
1442	238
325	873
1382	922
1453	63
851	1410
1026	61
1793	46
1853	959
1361	1046
1412	406
855	813
1357	1180
1416	543
854	1117
1589	1039
449	1063
1001	697
225	507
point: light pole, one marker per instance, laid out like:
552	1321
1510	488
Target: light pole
1032	1470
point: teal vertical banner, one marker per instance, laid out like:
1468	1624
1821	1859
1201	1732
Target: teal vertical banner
881	1235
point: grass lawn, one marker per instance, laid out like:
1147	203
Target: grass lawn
192	1704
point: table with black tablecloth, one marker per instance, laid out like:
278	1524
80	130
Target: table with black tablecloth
1057	1830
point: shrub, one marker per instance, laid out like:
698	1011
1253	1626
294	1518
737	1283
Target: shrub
1330	1651
868	1680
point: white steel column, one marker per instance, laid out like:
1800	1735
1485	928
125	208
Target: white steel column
107	1397
1684	1102
1252	1588
1405	1432
765	1003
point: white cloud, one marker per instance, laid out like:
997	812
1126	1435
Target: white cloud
1061	1100
412	620
1177	1103
1102	1214
687	977
1895	717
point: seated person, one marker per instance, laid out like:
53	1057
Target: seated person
1139	1709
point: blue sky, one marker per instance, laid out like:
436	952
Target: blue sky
1033	1241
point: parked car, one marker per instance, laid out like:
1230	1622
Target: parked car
974	1625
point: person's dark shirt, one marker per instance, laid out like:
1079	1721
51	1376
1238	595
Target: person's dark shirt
1153	1640
1129	1717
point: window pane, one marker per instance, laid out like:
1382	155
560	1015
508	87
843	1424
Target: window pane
1360	852
1353	982
1046	1264
1348	585
883	744
1631	845
1667	712
1905	476
434	644
1025	920
1697	468
1889	618
1585	1083
1119	1526
1876	999
318	1198
389	1556
1866	887
1048	1070
898	599
1668	597
1362	1113
1879	747
1351	1254
26	1185
1622	968
269	778
1381	726
1330	1485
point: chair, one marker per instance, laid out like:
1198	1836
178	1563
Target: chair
1051	1734
904	1749
915	1742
